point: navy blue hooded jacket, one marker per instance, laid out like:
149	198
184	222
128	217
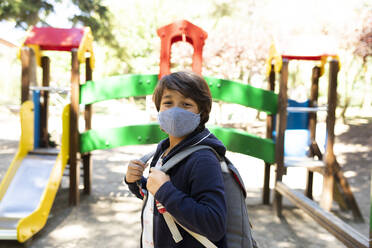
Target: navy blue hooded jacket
194	195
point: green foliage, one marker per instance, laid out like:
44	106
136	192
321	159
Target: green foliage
26	12
98	18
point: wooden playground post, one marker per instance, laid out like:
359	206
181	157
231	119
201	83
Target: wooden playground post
281	125
330	159
25	61
333	173
44	139
314	101
28	62
74	130
312	127
87	161
269	135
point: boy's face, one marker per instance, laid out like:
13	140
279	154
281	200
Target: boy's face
173	98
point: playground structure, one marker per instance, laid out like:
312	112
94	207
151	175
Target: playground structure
123	86
28	189
334	181
235	140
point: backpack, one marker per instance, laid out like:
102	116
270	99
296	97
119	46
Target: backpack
238	231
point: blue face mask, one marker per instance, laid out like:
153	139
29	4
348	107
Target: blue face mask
178	122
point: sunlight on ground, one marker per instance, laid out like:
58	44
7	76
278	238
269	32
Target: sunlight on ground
348	174
70	232
284	244
5	150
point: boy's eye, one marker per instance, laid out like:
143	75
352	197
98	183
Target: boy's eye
167	102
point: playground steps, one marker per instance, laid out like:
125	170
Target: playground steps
302	162
45	151
305	162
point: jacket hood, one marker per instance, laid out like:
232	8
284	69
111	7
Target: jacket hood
204	137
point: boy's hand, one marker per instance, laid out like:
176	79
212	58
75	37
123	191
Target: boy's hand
135	171
155	180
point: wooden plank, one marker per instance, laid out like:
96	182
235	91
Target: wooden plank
269	135
280	130
44	137
347	193
338	197
87	161
74	196
342	231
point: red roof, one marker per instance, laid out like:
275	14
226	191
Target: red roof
55	39
306	47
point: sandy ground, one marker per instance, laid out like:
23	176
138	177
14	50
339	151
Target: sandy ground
110	216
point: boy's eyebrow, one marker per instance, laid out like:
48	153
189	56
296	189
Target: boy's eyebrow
167	96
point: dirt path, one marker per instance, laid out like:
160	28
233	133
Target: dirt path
110	216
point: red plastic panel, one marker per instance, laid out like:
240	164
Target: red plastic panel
178	31
55	39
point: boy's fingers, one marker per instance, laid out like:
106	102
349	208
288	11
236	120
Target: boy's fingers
137	164
140	163
136	173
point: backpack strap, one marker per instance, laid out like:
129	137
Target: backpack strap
202	239
169	219
145	158
183	154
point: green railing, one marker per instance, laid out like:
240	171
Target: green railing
243	94
141	85
117	87
235	140
123	86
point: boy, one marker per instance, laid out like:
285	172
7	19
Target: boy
193	192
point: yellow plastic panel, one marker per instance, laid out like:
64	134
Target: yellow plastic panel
31	224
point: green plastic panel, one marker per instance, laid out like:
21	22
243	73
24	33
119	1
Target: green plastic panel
243	94
234	140
117	87
121	136
242	142
128	85
141	85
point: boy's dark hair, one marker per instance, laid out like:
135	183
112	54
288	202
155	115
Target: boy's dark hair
190	85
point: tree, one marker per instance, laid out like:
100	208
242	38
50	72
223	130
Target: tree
93	14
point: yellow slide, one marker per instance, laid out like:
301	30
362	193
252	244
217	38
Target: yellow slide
29	187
